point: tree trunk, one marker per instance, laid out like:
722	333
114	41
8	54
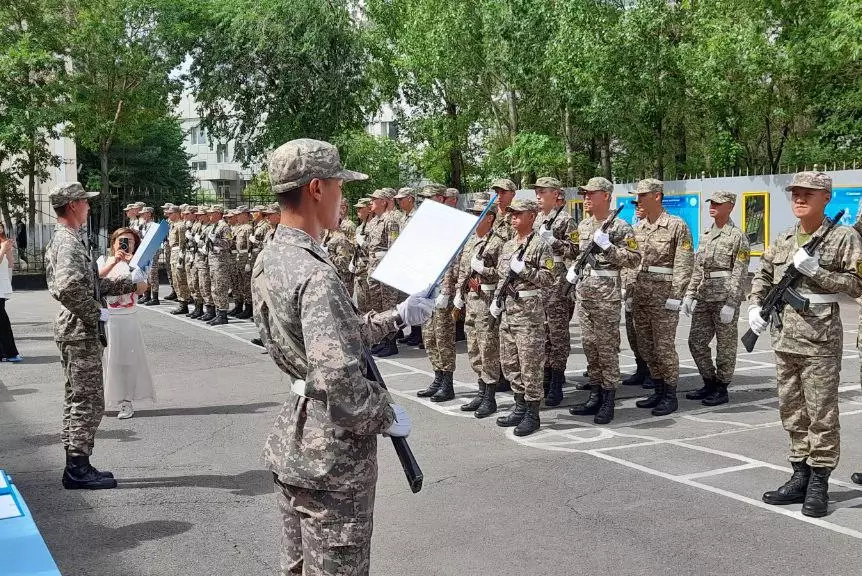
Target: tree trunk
105	198
570	152
681	156
659	160
605	152
31	194
455	173
513	126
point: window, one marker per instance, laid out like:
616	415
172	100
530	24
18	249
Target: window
193	135
576	210
223	192
222	153
202	137
389	129
755	220
199	165
198	135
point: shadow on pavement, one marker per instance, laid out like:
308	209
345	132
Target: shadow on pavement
250	483
207	410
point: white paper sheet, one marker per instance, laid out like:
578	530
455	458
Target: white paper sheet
425	247
8	508
3	483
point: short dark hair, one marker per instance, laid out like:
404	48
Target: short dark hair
291	199
61	210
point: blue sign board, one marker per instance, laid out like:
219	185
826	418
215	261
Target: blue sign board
686	206
847	198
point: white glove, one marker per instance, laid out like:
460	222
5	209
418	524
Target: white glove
516	266
351	267
755	322
416	309
458	301
571	275
602	239
687	306
211	237
104	315
188	235
494	309
629	304
477	265
252	239
546	235
442	301
360	240
325	249
400	428
623	293
726	314
808	265
672	304
198	238
139	275
248	267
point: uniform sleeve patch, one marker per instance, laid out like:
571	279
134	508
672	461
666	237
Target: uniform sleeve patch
549	263
631	243
743	255
575	236
859	268
393	235
686	245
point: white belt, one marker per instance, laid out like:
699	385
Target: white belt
243	251
659	270
234	252
719	274
605	273
381	253
298	387
821	298
558	259
528	293
488	287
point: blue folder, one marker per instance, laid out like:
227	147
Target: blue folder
150	245
22	550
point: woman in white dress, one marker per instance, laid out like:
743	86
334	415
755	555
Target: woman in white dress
127	372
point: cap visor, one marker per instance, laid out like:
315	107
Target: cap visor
350	175
90	195
805	186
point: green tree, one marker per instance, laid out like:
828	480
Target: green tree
379	157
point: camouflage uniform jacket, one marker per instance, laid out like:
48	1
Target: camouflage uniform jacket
538	272
620	255
503	225
325	439
221	239
724	254
258	234
177	235
493	246
70	275
664	244
565	246
340	250
348	227
817	332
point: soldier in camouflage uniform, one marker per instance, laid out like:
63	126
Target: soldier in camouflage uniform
663	276
474	289
406	199
438	333
340	249
809	345
381	236
323	448
556	228
273	215
71	281
202	267
131	211
145	222
599	292
166	250
359	264
192	226
641	376
220	261
505	190
242	234
712	300
522	316
177	241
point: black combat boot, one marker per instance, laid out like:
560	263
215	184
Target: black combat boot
489	403
515	415
415	338
220	318
237	308
460	335
143	298
504	385
555	395
546	380
80	475
653	399
153	300
433	387
447	389
198	311
637	379
390	348
257	342
793	491
606	410
817	494
648	383
668	404
530	422
591	406
182	308
382	345
856	477
718	396
209	313
246	313
172	296
701	393
474	404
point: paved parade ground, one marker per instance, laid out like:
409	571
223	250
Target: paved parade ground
643	496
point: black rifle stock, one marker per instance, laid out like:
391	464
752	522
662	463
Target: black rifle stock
784	292
402	448
591	248
500	297
97	288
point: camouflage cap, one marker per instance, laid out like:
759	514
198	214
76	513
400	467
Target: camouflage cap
811	181
129	206
504	184
362	203
432	190
649	186
722	196
298	162
480	202
241	209
190	209
405	192
547	182
216	208
385	193
170	208
183	206
62	195
271	208
257	208
597	184
138	205
201	211
451	193
147	210
523	205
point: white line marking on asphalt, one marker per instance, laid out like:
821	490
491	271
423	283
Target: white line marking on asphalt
718	471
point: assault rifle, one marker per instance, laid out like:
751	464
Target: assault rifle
360	232
784	292
500	298
97	286
591	249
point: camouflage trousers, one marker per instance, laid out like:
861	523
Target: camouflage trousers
242	289
178	277
706	323
153	277
631	335
483	338
325	533
808	405
167	250
438	334
220	272
656	335
522	344
600	333
84	399
362	293
558	337
204	282
192	278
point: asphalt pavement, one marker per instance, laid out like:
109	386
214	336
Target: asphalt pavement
644	496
